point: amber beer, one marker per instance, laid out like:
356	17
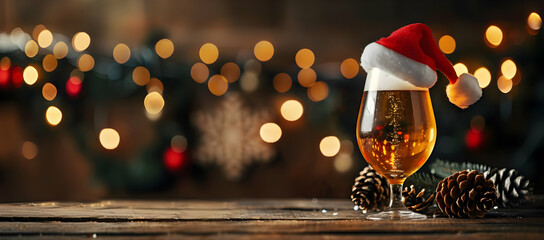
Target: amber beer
396	131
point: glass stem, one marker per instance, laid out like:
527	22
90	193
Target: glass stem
395	201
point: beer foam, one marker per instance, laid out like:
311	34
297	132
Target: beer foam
379	80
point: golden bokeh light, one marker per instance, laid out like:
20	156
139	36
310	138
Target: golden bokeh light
208	53
31	48
534	21
460	68
305	58
270	132
5	63
153	103
484	77
504	84
307	77
291	110
30	75
493	36
218	85
49	91
329	146
447	44
508	68
45	38
282	82
349	68
60	50
53	116
30	150
49	63
121	53
81	41
343	162
178	143
164	48
140	75
230	71
109	138
37	30
264	50
249	81
318	91
200	72
85	63
154	85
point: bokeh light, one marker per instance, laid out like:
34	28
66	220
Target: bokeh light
534	21
305	58
460	68
140	75
252	66
153	102
307	77
85	63
73	86
349	68
447	44
508	68
81	41
291	110
154	85
173	159
504	84
121	53
179	143
30	150
5	63
45	38
30	75
483	76
329	146
164	48
37	30
493	36
230	71
218	85
270	132
318	91
49	91
60	50
49	63
264	50
31	48
282	82
208	53
109	138
343	162
249	81
53	116
17	77
200	72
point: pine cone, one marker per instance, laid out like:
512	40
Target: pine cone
466	194
416	201
370	190
511	187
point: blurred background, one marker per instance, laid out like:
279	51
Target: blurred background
242	99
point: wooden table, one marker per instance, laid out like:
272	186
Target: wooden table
247	219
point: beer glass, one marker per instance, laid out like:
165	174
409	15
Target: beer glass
396	133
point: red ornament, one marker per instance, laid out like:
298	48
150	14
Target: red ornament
17	77
73	86
473	139
174	160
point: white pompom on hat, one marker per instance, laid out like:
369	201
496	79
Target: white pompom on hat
411	54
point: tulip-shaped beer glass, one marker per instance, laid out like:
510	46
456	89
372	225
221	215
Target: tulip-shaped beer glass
396	132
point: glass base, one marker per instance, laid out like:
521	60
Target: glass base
399	214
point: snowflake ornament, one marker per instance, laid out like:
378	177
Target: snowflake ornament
229	137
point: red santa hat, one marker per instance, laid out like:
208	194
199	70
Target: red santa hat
411	54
